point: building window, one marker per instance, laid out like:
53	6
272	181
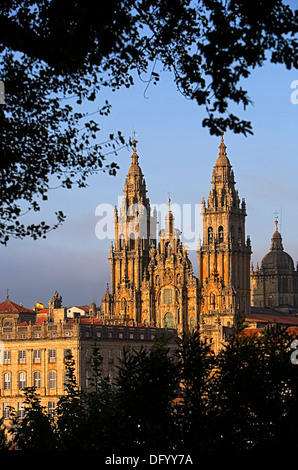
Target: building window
132	241
87	379
6	410
21	410
51	409
22	380
212	300
67	355
88	355
22	335
36	379
52	355
121	241
52	379
168	296
22	357
110	359
168	320
6	357
7	381
220	234
36	356
123	306
67	378
37	335
192	323
210	234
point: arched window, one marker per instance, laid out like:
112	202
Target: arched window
168	320
121	241
7	381
123	305
192	323
22	380
212	300
132	241
168	250
36	379
220	233
167	296
210	234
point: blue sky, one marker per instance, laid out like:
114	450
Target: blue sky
177	155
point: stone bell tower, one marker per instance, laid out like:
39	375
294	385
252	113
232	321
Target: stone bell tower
224	256
135	231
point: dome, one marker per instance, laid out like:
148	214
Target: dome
277	260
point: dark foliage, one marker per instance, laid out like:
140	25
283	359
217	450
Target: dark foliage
245	398
57	55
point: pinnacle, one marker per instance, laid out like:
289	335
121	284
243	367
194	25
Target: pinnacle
222	159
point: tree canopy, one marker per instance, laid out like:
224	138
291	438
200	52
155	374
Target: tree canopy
52	50
182	400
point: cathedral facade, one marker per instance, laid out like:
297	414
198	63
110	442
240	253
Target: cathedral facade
152	282
152	279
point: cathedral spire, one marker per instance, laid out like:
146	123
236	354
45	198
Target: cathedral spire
135	157
223	193
135	185
222	156
169	220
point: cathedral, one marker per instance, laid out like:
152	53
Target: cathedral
152	279
152	282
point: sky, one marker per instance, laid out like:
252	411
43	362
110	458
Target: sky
176	155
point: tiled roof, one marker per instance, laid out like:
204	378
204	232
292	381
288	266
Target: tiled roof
272	318
291	330
11	307
84	307
43	311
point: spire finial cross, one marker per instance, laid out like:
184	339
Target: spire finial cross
276	219
169	199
